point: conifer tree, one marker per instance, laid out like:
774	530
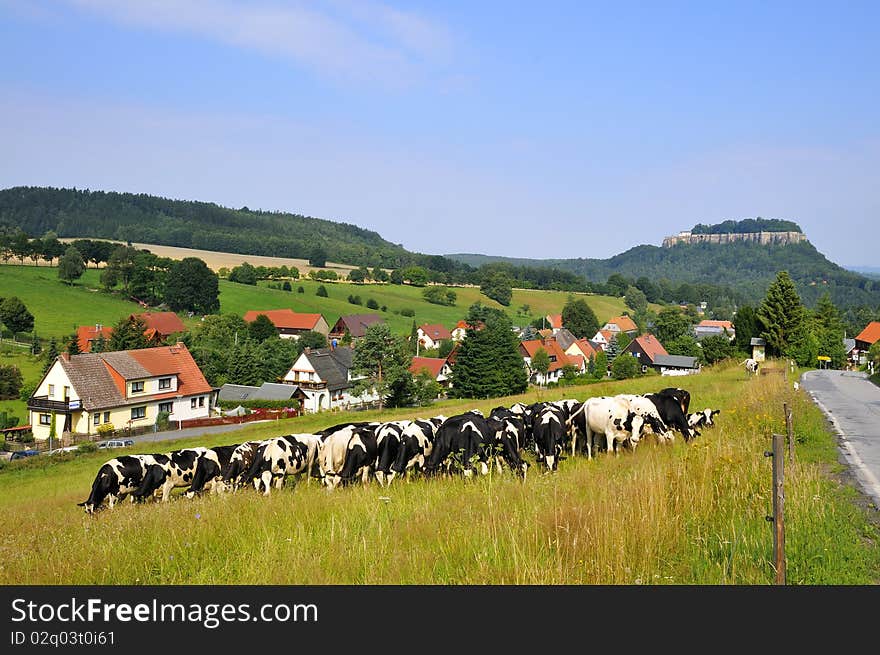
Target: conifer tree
782	316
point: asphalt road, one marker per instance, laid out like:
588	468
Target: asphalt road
852	404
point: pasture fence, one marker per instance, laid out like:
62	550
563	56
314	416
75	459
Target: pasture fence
778	516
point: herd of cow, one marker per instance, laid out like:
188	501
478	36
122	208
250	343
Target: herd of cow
465	443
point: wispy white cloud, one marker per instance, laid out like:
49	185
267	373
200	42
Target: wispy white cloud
364	43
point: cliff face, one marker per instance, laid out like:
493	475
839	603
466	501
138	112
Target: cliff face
765	238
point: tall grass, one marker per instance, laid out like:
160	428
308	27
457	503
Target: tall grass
684	514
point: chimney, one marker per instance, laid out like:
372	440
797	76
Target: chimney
307	350
97	328
65	356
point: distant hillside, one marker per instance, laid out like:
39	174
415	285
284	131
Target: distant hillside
867	271
188	224
748	267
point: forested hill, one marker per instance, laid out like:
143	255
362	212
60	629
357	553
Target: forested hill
746	266
150	219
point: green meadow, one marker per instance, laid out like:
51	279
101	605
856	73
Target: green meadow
679	514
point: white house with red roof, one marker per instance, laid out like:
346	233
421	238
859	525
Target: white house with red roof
602	338
291	324
431	334
621	323
558	360
437	367
460	330
123	388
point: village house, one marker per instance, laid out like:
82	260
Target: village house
558	360
602	338
645	348
707	328
158	327
554	322
865	339
291	324
620	324
460	330
270	391
431	334
325	378
676	364
582	348
438	367
122	389
355	324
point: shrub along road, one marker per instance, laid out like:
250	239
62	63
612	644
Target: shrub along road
852	404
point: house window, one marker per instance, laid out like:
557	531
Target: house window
51	390
138	412
311	376
164	383
165	407
45	419
66	393
137	387
201	401
106	417
96	419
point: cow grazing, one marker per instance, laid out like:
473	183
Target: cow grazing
670	409
645	409
604	416
169	470
334	450
509	430
706	418
462	437
548	429
416	443
290	454
239	463
751	366
388	436
116	479
209	470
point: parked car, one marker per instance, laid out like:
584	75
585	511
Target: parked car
21	454
116	443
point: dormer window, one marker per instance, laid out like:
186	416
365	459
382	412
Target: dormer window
164	383
137	387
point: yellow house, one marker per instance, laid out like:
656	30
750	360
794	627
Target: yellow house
126	388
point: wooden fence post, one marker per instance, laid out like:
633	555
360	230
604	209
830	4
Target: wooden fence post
778	517
788	432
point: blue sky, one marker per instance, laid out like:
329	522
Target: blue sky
558	129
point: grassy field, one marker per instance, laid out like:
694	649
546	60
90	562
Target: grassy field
683	514
31	367
239	298
58	308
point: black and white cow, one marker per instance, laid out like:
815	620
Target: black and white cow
704	419
239	463
683	396
604	416
462	437
209	470
388	437
290	454
169	470
116	479
334	449
670	409
548	428
416	443
645	409
361	452
509	430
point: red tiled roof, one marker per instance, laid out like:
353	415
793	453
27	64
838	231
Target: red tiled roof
432	364
625	323
85	334
173	359
464	325
871	333
558	358
286	318
164	323
435	331
585	347
608	334
650	345
727	325
555	320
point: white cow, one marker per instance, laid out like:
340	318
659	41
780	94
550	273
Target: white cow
751	366
607	416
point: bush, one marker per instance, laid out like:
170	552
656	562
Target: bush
163	420
408	312
286	286
355	300
87	447
625	366
105	430
322	291
372	304
300	289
